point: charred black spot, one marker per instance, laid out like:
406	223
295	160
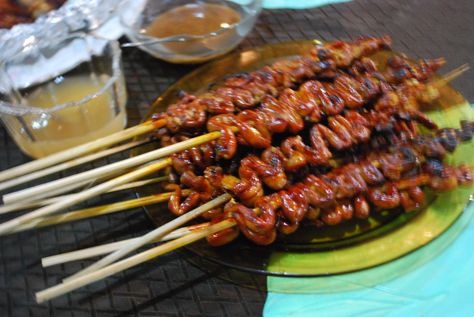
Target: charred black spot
385	46
404	116
233	166
377	142
379	76
244	75
401	73
419	140
275	161
265	75
173	178
392	61
241	75
408	154
212	171
181	94
219	148
331	181
335	98
323	53
156	116
435	167
322	65
369	84
319	170
411	173
466	132
448	139
384	128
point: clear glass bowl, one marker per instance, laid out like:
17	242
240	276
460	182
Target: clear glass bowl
58	94
189	46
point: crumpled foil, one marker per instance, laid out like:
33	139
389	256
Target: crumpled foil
97	19
86	16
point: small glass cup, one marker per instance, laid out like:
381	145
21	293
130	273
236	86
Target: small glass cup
189	46
57	95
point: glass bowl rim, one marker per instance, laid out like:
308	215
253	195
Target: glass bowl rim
186	37
19	110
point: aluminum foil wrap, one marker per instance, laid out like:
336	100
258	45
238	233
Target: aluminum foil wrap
88	16
97	19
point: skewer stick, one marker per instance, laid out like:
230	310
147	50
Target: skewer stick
89	193
142	257
453	74
89	147
450	76
27	194
94	211
141	183
84	184
26	205
153	235
446	78
111	247
69	164
80	150
56	192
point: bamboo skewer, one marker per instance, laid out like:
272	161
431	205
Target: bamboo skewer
27	194
69	164
102	270
142	257
94	212
26	205
89	193
153	235
85	277
85	183
440	82
24	194
111	247
80	150
450	76
120	253
141	183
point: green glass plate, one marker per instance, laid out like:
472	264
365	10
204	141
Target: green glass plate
351	246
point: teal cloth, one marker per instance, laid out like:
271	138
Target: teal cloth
437	280
297	4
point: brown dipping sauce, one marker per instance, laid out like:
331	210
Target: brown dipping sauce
193	19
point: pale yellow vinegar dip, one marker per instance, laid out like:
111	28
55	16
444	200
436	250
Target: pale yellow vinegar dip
50	133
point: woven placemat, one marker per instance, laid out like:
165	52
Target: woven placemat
172	286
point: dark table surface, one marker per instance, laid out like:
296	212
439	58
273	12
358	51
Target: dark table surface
171	286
